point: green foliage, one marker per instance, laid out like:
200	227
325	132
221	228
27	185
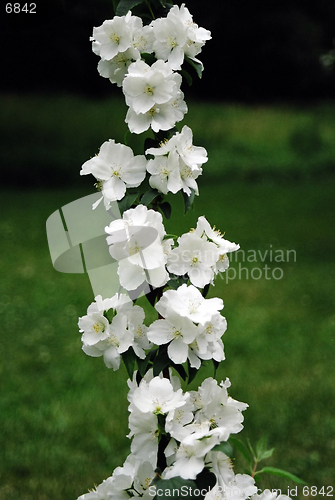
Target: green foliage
188	200
281	473
53	405
253	457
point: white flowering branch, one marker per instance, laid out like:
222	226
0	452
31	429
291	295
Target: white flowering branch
178	438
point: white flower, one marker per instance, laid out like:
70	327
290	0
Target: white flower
133	477
95	326
170	39
120	42
101	492
144	431
143	39
177	35
176	330
269	495
190	456
118	341
165	173
158	396
136	242
177	419
205	231
188	302
112	37
154	97
188	177
221	466
117	168
179	160
192	156
145	86
194	256
115	69
216	408
240	487
135	317
208	344
196	37
159	117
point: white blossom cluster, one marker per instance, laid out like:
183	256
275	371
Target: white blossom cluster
121	41
101	337
152	92
116	169
138	242
174	433
176	166
192	424
191	326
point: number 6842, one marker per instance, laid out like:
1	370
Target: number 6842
17	8
313	491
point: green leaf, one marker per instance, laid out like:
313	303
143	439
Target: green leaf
148	58
143	364
127	201
129	358
191	372
161	361
241	447
166	209
253	454
150	143
125	5
126	136
195	65
169	488
152	295
149	196
181	370
166	5
205	481
215	365
281	473
225	447
185	74
261	449
188	200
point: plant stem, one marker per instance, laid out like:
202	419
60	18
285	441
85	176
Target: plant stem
254	469
150	9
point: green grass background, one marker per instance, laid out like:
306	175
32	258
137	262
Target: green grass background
269	181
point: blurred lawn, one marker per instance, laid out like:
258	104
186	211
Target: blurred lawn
45	139
63	415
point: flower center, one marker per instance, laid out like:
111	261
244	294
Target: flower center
113	341
172	42
176	333
209	328
152	111
148	90
98	327
115	38
99	185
